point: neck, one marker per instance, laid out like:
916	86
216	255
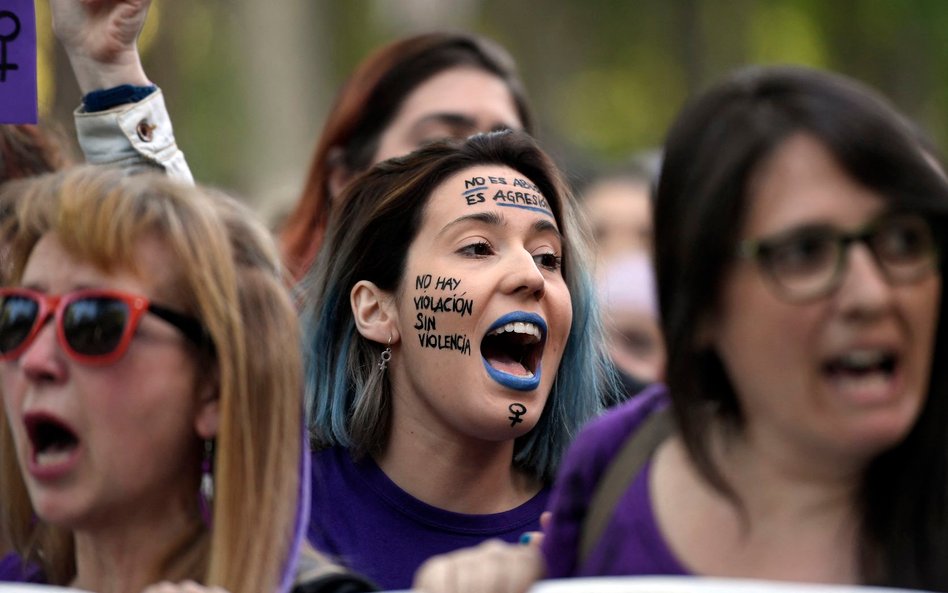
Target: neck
767	470
450	471
810	500
795	520
127	555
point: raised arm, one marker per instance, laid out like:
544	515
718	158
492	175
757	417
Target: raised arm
123	120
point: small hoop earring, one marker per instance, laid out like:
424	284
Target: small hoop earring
386	355
206	491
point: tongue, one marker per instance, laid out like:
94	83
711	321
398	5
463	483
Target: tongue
506	364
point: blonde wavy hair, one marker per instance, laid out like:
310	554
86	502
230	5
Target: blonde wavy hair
228	275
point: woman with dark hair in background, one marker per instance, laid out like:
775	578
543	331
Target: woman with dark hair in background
799	222
408	93
453	349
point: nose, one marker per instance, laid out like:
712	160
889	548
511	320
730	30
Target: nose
864	289
524	276
42	361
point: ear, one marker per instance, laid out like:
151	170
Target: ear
339	174
374	312
207	413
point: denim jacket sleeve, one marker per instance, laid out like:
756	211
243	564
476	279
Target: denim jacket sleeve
135	136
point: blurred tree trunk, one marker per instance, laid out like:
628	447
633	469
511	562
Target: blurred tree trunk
284	63
66	97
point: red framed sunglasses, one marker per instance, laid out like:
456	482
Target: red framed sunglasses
94	327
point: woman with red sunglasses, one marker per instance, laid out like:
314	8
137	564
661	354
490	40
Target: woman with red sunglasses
150	372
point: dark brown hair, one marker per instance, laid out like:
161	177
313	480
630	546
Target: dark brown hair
369	239
27	150
366	105
713	149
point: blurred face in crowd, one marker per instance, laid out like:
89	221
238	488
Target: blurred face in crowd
620	211
626	287
827	339
635	343
455	103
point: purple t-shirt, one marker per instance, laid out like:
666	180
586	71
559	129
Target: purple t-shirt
14	570
631	543
364	520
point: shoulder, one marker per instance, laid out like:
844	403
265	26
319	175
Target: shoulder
601	438
333	456
586	461
333	473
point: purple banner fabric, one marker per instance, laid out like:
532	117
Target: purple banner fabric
17	62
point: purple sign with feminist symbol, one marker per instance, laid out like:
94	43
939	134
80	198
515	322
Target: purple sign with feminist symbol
17	62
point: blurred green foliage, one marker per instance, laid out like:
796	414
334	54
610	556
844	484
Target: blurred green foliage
606	76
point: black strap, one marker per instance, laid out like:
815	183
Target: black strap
316	574
336	583
618	477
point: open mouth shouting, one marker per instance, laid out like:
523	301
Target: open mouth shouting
53	445
864	374
512	350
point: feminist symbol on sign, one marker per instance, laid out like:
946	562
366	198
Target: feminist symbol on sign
4	38
517	410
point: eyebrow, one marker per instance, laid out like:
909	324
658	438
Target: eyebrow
456	120
545	226
488	218
459	120
496	219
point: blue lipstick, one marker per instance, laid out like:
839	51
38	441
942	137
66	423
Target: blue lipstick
516	382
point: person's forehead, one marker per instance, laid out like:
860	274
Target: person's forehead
467	92
490	187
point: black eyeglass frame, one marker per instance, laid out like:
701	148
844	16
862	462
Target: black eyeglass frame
760	251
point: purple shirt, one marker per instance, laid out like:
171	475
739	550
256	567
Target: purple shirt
14	570
364	520
631	543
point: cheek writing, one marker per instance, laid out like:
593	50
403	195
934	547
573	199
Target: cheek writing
517	410
526	195
429	307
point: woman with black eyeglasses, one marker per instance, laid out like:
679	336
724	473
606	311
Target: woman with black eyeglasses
802	434
151	380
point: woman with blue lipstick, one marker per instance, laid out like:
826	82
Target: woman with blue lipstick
453	349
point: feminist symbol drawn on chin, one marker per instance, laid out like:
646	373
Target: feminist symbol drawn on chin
4	38
517	410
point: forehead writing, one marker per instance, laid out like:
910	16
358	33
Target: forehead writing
507	192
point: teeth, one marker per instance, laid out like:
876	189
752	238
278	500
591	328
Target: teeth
52	457
868	383
862	359
518	327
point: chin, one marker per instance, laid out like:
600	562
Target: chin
874	436
502	428
54	512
